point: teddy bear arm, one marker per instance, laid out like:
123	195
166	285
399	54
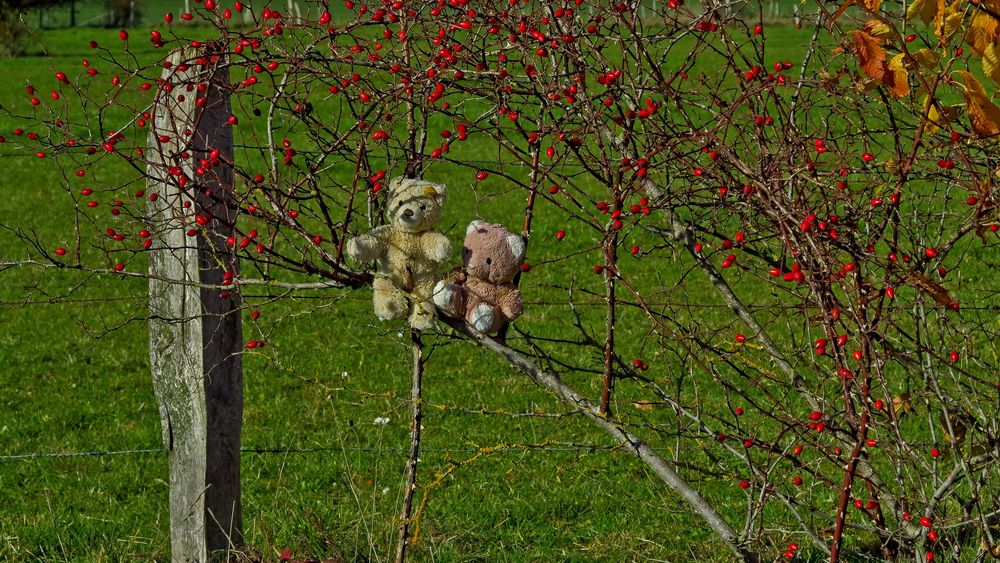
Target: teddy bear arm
511	306
368	247
436	246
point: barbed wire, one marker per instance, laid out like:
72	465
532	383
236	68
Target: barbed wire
564	447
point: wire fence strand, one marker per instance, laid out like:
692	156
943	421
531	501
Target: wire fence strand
319	449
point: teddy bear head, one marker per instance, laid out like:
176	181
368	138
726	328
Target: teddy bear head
414	205
491	252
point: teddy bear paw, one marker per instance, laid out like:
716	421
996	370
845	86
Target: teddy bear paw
482	317
360	249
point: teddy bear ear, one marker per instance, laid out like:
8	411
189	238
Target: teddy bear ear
475	224
436	191
395	184
516	244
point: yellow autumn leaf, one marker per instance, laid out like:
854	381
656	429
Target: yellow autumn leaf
896	79
924	9
926	58
871	55
901	404
947	19
983	30
984	114
991	62
938	116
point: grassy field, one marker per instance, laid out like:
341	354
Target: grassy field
321	477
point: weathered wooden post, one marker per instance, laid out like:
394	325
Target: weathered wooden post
195	333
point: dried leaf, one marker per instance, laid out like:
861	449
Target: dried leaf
985	189
926	58
867	85
931	287
643	405
878	29
872	5
956	425
947	19
983	30
871	55
924	9
984	114
991	62
896	79
901	404
994	550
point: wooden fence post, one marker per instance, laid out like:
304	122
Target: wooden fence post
195	333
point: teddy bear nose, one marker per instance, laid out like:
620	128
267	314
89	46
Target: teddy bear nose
408	212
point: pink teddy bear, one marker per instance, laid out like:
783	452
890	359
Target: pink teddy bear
482	292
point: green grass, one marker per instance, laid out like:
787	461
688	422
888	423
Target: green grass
75	379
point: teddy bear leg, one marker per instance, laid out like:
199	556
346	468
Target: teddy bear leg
423	313
422	317
388	299
481	317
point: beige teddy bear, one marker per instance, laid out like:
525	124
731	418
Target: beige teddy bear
406	252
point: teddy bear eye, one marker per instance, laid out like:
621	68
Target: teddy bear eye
423	207
489	261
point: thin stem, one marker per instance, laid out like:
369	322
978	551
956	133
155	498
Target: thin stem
411	462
